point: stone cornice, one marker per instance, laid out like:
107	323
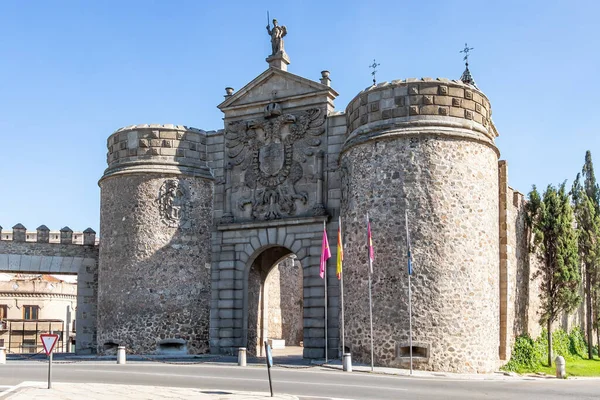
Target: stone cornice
272	223
318	88
39	295
419	130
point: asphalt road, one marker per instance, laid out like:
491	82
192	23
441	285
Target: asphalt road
312	383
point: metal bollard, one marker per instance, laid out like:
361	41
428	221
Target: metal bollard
560	367
242	356
2	355
121	358
347	362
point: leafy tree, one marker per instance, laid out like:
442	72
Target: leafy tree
555	244
586	203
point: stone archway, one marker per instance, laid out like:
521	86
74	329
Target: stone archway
274	300
236	247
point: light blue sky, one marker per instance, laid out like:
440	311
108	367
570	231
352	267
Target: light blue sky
72	72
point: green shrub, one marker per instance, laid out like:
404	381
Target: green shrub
560	344
577	344
524	356
541	345
529	355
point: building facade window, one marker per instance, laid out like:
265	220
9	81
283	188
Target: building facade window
3	311
30	312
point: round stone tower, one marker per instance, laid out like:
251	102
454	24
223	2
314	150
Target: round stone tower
426	147
154	266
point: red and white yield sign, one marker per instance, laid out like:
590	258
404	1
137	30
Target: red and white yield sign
48	341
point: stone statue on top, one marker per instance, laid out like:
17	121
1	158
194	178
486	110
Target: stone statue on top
277	34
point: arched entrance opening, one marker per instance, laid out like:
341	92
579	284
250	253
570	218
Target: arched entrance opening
275	303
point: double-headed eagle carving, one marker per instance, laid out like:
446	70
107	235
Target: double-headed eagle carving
269	152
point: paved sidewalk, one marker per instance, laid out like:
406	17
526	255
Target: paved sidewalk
97	391
496	376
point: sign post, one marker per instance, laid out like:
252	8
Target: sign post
49	340
269	364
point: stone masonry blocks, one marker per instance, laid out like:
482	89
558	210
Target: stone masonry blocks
416	99
452	186
145	293
446	167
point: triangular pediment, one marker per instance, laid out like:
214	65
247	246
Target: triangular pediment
275	84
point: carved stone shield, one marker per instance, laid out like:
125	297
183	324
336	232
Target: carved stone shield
271	158
173	202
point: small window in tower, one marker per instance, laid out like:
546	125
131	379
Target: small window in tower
417	351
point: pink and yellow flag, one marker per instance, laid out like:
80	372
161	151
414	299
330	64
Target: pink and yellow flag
340	251
370	245
325	253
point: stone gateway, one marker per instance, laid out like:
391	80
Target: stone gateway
211	240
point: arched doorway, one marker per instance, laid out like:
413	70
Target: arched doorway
275	302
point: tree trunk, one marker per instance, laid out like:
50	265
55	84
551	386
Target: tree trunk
549	342
588	298
598	341
597	319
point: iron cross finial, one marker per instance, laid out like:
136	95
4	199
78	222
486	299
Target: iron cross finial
374	66
466	50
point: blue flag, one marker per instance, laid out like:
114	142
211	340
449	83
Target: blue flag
409	263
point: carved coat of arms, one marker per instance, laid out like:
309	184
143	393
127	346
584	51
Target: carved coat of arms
173	202
269	152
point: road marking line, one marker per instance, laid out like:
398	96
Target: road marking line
243	379
12	389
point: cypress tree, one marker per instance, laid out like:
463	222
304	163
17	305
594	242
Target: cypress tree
555	244
586	202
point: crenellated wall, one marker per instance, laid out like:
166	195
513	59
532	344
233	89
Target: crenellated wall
44	235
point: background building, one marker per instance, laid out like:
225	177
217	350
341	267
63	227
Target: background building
34	304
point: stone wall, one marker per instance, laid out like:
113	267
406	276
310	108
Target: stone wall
284	302
170	144
440	97
519	299
247	252
445	165
523	287
156	214
277	181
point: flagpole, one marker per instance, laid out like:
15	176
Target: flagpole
370	300
342	288
409	291
325	279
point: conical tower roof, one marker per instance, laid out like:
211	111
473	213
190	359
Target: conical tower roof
467	77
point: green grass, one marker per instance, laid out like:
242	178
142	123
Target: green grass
575	367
